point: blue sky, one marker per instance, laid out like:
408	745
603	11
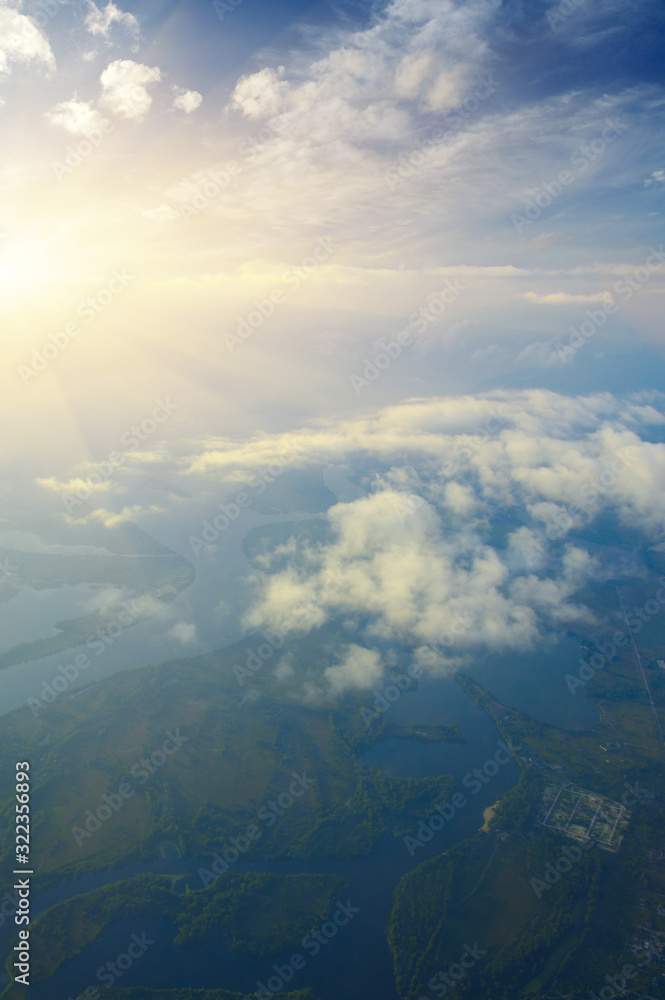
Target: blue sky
422	238
414	135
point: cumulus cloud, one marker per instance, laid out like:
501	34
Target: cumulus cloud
416	560
100	21
470	531
22	41
187	100
78	117
459	499
499	439
125	88
426	52
357	668
418	583
362	130
387	125
184	633
260	94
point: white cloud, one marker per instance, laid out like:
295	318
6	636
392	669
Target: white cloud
413	69
22	40
448	89
542	353
459	499
163	214
187	100
544	240
125	88
427	51
564	298
416	558
100	22
184	633
78	117
75	487
358	668
657	176
357	133
111	519
261	94
417	584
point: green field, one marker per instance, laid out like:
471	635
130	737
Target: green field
235	757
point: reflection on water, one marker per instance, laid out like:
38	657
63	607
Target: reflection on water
32	613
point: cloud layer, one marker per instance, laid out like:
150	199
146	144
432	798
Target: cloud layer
476	539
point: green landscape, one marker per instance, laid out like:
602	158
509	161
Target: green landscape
182	760
538	925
